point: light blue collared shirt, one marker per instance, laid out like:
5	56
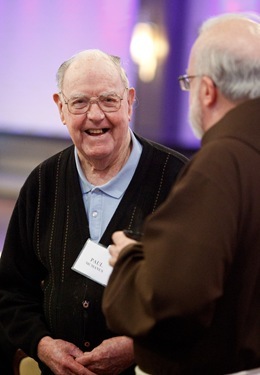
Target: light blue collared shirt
101	201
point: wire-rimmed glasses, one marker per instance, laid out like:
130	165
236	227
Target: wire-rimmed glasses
184	81
107	102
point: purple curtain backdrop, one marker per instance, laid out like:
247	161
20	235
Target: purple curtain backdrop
37	35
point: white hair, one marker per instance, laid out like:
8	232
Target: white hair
233	66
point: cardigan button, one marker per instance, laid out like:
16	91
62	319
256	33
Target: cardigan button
87	344
85	304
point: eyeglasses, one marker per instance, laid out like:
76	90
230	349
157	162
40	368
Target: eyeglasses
185	81
107	102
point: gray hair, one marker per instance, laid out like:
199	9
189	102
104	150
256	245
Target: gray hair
115	60
235	72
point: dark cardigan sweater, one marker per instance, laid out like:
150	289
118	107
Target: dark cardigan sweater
39	293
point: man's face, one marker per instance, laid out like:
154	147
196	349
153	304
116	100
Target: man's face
99	136
195	110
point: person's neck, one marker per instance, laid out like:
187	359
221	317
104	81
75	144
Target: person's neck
99	172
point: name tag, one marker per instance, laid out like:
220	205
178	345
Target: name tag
93	262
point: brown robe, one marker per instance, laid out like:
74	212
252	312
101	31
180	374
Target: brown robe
189	295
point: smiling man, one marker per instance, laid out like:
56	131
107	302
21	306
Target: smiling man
92	84
109	179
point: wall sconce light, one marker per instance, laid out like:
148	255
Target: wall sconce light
148	48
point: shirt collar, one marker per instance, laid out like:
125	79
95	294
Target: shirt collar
118	184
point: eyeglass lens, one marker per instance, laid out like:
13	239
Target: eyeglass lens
107	102
184	83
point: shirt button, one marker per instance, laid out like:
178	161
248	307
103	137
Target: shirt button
87	344
85	304
94	214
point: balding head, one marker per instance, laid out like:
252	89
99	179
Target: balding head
228	51
90	58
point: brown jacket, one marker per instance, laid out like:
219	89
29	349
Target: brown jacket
190	294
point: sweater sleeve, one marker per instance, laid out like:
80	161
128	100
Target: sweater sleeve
21	274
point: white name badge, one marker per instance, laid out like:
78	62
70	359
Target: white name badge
93	262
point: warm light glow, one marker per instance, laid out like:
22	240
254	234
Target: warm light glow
148	47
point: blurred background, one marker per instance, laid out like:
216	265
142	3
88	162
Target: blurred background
153	39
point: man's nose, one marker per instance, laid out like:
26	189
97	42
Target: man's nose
94	111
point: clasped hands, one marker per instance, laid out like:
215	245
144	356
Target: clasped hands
111	357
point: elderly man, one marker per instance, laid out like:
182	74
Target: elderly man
110	179
189	294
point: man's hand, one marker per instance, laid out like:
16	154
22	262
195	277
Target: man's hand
120	241
60	356
111	357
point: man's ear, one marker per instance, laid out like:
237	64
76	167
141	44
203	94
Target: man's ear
59	103
208	91
130	100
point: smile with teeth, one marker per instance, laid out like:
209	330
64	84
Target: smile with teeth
96	131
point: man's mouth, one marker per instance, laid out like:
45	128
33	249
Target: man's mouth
96	131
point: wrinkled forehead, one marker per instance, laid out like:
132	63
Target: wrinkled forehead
96	73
